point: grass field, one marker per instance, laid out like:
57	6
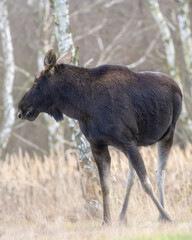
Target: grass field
53	199
87	230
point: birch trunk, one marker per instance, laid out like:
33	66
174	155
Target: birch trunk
65	42
8	79
185	34
44	21
171	59
166	38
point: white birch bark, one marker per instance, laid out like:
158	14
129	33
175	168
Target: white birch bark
8	79
166	38
62	26
43	16
55	129
65	42
185	34
171	59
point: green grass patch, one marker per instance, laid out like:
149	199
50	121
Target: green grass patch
159	236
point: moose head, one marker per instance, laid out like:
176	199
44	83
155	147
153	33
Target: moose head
40	98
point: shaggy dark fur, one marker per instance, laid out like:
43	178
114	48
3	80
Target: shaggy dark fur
114	106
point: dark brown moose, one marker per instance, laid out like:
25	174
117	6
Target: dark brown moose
114	106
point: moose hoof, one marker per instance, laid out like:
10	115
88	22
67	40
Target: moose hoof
106	222
164	219
122	219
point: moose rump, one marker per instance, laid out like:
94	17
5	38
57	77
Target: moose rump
156	103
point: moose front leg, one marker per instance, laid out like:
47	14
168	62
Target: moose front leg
103	161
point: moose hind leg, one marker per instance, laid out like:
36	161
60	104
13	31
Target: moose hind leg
164	147
103	160
131	173
138	164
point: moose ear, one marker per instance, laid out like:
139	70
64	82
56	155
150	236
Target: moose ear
50	59
65	58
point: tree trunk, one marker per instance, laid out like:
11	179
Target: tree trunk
65	42
41	9
166	38
171	59
185	34
8	79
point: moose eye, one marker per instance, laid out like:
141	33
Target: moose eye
36	85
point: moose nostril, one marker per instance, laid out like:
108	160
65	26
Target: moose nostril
19	114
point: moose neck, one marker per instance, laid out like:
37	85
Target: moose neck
71	85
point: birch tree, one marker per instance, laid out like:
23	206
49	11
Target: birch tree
8	78
171	59
46	41
185	34
166	39
65	42
55	129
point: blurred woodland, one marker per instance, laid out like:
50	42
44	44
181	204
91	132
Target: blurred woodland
39	192
124	32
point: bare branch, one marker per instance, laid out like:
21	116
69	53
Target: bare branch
91	31
86	64
86	8
20	70
105	53
113	2
31	144
147	52
100	43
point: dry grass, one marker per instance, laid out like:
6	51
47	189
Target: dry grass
53	199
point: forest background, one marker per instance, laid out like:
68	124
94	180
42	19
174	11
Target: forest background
44	161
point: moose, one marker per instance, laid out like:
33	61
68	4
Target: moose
114	106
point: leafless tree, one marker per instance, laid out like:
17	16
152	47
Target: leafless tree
8	79
65	42
170	50
185	35
46	40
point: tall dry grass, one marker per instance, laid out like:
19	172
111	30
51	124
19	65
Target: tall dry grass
32	190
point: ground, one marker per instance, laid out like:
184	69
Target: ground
56	199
